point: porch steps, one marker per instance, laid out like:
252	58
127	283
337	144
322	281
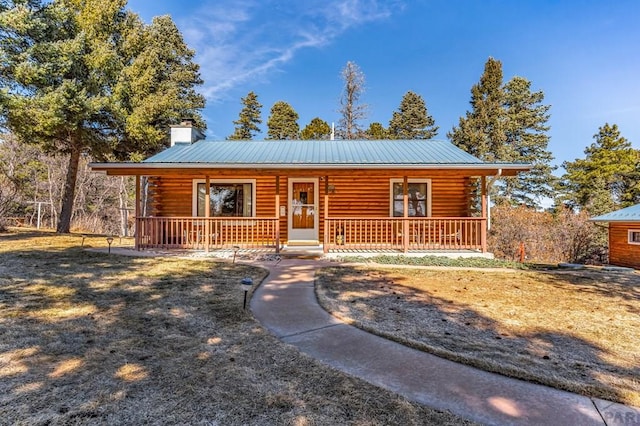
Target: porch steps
302	252
304	243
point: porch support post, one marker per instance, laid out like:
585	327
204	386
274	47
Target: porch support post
277	207
485	222
325	242
405	222
207	213
136	231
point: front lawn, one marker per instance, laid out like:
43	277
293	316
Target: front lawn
92	338
575	330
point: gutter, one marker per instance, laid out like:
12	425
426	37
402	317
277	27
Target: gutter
440	166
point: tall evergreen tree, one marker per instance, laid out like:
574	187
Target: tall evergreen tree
412	120
282	124
527	140
604	180
508	123
59	60
316	129
631	184
376	131
351	110
156	87
61	63
249	118
482	131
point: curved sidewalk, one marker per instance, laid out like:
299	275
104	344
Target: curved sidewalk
286	304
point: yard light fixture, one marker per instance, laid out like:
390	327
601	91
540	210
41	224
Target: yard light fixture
246	285
235	251
83	238
109	241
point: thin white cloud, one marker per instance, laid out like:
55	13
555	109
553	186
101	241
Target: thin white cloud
240	41
354	12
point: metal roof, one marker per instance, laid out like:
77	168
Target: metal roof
338	154
629	214
315	152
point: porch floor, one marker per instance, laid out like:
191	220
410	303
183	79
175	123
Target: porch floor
453	254
316	252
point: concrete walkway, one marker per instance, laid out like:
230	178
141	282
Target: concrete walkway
286	304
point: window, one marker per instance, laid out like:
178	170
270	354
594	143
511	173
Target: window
634	236
419	198
226	198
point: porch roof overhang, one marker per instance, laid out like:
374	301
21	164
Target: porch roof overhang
292	156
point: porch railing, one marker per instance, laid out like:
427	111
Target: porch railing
405	234
373	233
207	233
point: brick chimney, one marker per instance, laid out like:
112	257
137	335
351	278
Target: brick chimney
185	132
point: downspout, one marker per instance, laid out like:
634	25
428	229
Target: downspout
490	183
137	230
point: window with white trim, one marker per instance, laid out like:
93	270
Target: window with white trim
419	191
227	198
634	236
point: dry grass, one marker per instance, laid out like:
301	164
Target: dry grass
91	338
573	330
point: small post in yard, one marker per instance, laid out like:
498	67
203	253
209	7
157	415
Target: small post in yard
39	203
246	284
109	241
235	251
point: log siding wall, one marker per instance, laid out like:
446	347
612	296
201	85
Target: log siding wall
622	253
352	196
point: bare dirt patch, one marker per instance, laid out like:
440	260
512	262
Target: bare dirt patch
575	330
92	338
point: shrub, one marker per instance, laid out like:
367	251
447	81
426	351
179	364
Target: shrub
547	237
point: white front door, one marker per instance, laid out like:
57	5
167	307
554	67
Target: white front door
303	210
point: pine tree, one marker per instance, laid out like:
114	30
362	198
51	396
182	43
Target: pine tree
482	131
527	140
283	122
604	180
508	123
247	123
351	110
62	61
631	184
317	129
412	121
376	131
156	86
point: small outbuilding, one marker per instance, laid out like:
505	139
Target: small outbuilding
624	236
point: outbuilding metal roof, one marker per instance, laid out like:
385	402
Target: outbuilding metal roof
629	214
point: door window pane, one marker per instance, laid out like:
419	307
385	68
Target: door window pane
303	205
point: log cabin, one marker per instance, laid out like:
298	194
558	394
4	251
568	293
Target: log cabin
340	195
624	236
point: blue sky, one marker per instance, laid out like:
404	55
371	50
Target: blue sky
584	56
